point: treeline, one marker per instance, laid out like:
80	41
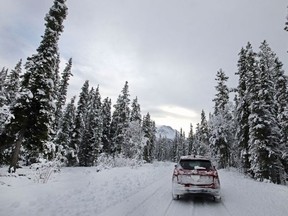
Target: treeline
248	132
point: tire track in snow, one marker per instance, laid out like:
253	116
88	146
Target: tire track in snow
211	208
143	202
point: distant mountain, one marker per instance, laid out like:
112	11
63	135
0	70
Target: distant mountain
166	131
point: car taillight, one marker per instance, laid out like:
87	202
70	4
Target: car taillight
178	172
216	182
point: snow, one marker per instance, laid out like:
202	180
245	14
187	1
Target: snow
143	190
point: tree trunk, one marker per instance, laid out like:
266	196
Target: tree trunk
15	154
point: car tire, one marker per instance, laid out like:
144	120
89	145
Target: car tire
217	198
175	197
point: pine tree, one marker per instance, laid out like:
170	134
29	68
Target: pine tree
175	148
120	120
281	99
79	126
62	91
202	136
34	111
12	84
3	77
135	111
5	116
220	122
191	140
65	133
222	95
91	143
264	129
5	113
246	72
134	137
106	116
149	130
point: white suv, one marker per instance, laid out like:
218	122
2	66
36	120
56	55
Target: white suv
195	175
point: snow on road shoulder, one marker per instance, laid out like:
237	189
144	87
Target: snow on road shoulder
242	195
75	191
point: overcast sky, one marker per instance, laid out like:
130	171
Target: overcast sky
168	50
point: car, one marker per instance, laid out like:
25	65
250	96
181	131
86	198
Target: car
197	176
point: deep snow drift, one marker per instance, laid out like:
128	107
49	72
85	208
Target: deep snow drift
144	190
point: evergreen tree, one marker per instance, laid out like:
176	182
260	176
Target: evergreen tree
5	116
264	129
4	102
120	120
202	136
179	145
222	95
281	99
175	148
106	116
12	84
149	130
220	122
134	137
62	91
246	72
191	140
79	126
135	111
160	151
34	111
92	136
63	138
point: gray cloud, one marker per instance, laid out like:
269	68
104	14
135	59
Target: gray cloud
169	51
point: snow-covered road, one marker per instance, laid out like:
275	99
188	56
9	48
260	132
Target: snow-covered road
137	191
240	197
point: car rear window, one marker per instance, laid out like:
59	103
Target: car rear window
195	164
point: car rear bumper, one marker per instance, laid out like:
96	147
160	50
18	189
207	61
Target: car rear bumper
180	189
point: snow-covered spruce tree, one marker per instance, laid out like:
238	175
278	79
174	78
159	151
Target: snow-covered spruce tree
220	124
179	145
222	95
182	143
4	108
65	132
246	72
134	136
190	141
106	117
92	136
79	126
12	84
160	151
264	136
120	120
5	116
175	148
62	92
149	130
35	109
202	135
281	99
9	92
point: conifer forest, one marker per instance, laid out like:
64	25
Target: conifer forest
247	129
